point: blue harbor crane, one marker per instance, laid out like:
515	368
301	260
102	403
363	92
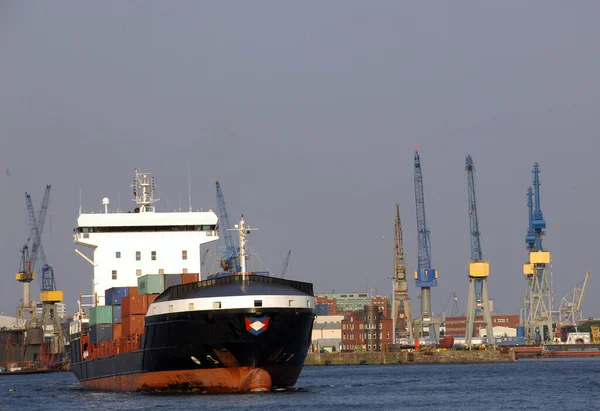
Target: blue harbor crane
538	223
230	259
49	295
479	269
536	314
426	326
530	237
36	227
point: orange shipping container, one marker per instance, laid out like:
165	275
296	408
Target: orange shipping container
133	324
134	305
189	278
117	331
133	291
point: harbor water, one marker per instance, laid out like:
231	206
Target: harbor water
538	384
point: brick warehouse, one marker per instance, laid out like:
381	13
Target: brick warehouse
341	304
367	330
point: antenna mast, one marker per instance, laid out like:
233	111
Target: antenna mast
143	191
190	187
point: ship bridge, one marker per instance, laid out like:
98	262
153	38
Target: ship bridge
128	245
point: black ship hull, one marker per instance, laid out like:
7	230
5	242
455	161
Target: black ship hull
227	350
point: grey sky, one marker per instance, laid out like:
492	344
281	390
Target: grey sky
308	112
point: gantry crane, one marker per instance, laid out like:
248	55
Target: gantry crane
230	260
479	269
426	326
569	310
401	313
36	227
536	314
49	296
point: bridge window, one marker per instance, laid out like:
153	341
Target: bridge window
138	272
138	255
153	256
114	274
118	254
184	254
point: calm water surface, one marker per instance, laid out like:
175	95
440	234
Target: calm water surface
554	384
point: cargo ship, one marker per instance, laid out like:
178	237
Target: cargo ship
156	325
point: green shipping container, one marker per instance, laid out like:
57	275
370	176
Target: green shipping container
101	314
151	284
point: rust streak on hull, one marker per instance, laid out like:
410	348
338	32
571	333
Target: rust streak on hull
217	380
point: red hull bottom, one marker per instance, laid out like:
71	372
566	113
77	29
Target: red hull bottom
572	354
217	380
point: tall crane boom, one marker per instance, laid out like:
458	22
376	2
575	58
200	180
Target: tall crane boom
230	255
530	237
402	313
538	224
37	249
426	277
424	261
476	252
36	227
286	262
479	269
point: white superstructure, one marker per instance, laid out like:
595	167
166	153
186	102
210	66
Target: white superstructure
129	245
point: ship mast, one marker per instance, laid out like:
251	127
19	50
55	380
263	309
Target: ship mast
243	230
143	191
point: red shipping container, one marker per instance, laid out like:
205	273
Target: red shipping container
117	331
134	305
189	278
133	324
133	290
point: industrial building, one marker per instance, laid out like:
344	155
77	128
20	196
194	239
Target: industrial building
367	330
346	303
327	333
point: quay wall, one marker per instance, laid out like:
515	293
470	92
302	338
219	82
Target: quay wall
412	357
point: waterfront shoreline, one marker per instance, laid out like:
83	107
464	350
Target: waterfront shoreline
411	357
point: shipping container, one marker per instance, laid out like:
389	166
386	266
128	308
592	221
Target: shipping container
116	314
100	333
132	324
101	314
172	280
151	284
132	290
190	278
116	333
113	296
134	304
